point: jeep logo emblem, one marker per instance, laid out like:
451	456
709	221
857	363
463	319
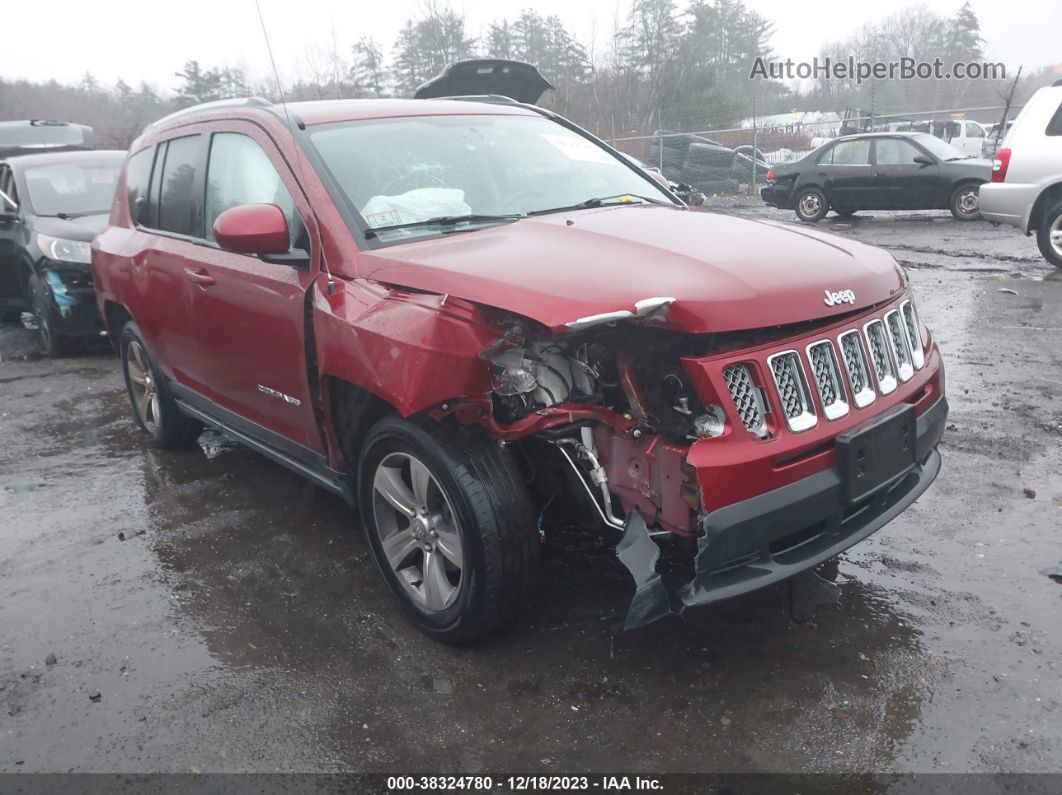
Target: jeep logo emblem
840	297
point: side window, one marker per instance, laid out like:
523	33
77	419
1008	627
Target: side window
151	216
894	152
850	153
974	130
240	172
1054	127
180	210
7	187
137	177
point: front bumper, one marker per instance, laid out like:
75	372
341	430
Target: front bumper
756	542
71	304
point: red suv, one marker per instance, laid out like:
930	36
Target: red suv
465	316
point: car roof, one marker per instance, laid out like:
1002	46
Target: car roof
896	134
55	158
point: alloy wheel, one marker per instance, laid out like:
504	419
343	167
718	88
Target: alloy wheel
418	531
1054	234
143	386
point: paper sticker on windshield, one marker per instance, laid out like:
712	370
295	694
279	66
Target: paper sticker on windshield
384	218
576	148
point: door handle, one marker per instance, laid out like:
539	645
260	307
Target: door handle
200	277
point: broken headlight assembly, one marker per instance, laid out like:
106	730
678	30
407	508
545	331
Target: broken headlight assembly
62	250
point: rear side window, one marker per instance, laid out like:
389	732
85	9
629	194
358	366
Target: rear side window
848	153
894	152
240	172
137	178
1054	127
180	208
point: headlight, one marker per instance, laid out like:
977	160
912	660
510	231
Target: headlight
63	250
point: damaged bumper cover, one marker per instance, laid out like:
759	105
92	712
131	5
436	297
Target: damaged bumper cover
759	541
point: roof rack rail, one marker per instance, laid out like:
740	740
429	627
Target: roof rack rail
236	102
491	98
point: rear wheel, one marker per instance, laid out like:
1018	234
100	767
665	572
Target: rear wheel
811	205
154	408
1049	235
964	203
450	526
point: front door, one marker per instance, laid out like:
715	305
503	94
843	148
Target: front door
904	184
10	282
248	335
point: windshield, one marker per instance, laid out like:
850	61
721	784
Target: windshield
492	168
83	188
938	148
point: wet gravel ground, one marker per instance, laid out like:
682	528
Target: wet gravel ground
209	611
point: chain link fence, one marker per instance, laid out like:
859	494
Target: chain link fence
736	159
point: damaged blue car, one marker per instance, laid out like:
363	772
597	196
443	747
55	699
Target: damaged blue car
51	206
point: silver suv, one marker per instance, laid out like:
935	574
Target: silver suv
1026	186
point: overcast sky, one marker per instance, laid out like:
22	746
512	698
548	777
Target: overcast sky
121	38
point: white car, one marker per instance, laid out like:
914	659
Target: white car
1026	186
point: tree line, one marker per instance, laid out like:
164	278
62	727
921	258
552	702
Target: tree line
664	65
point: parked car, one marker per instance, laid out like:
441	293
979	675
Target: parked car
965	135
878	171
34	136
467	317
1026	187
50	207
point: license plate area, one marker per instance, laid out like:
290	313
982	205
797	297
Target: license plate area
877	451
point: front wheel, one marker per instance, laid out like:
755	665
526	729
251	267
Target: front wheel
1049	235
964	204
54	343
811	205
450	526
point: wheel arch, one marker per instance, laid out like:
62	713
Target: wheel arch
115	316
1048	195
350	411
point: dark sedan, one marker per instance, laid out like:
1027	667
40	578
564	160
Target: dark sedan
51	206
879	171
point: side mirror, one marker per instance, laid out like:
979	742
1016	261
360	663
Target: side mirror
923	160
260	229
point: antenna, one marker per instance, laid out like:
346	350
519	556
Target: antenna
291	129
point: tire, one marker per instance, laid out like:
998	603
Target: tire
157	413
963	203
53	343
1051	227
484	562
811	205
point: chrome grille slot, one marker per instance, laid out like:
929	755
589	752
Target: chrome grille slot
792	386
901	348
878	345
911	323
855	364
746	397
827	375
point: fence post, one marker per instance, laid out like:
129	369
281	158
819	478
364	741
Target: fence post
754	149
660	140
613	141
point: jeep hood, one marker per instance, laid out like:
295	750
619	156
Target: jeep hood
726	273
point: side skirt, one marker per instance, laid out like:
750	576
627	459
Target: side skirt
298	459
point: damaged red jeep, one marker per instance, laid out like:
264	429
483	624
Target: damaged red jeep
465	316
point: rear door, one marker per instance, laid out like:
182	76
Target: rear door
844	172
248	340
10	288
902	183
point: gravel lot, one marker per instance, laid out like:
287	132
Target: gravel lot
209	611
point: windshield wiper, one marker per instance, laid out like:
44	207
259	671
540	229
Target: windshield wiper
603	201
448	222
71	216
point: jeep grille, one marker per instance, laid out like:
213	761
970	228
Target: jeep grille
746	397
793	390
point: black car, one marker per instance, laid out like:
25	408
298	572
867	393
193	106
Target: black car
51	206
33	136
879	171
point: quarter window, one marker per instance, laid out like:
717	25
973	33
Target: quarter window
849	153
180	210
240	172
137	178
1054	127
